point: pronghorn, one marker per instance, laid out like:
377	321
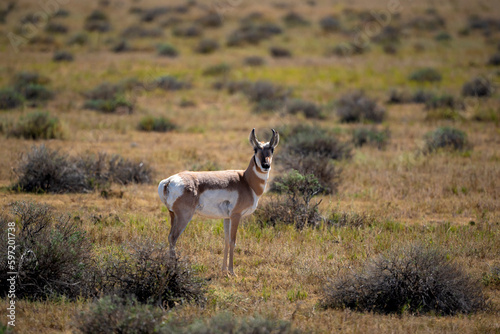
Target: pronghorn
229	194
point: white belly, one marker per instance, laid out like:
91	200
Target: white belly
217	203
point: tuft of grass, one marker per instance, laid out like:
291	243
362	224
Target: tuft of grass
37	125
446	138
52	256
415	279
426	74
157	124
443	36
355	106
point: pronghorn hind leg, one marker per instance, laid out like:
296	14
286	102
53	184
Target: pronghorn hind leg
178	222
227	239
235	220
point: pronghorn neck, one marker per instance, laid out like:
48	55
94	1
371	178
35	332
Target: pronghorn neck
256	178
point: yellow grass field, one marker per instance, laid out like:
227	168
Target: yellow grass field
449	199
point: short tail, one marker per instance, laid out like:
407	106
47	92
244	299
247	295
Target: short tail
163	190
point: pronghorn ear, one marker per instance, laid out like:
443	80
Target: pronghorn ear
253	140
274	139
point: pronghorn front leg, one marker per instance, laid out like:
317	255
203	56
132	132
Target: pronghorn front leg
227	239
235	220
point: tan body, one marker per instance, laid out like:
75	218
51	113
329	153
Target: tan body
229	195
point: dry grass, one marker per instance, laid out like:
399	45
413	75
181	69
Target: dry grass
447	198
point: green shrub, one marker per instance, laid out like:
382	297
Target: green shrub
370	136
52	255
10	99
426	74
266	105
37	125
415	279
157	124
167	50
355	106
446	138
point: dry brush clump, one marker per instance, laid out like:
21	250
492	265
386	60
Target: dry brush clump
355	106
37	125
126	316
416	279
446	138
313	150
146	271
293	206
110	98
45	170
370	136
114	314
52	254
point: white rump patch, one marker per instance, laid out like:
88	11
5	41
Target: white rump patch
217	203
175	189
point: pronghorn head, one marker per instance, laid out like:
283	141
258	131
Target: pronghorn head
264	151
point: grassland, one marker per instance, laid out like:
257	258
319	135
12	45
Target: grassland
450	199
